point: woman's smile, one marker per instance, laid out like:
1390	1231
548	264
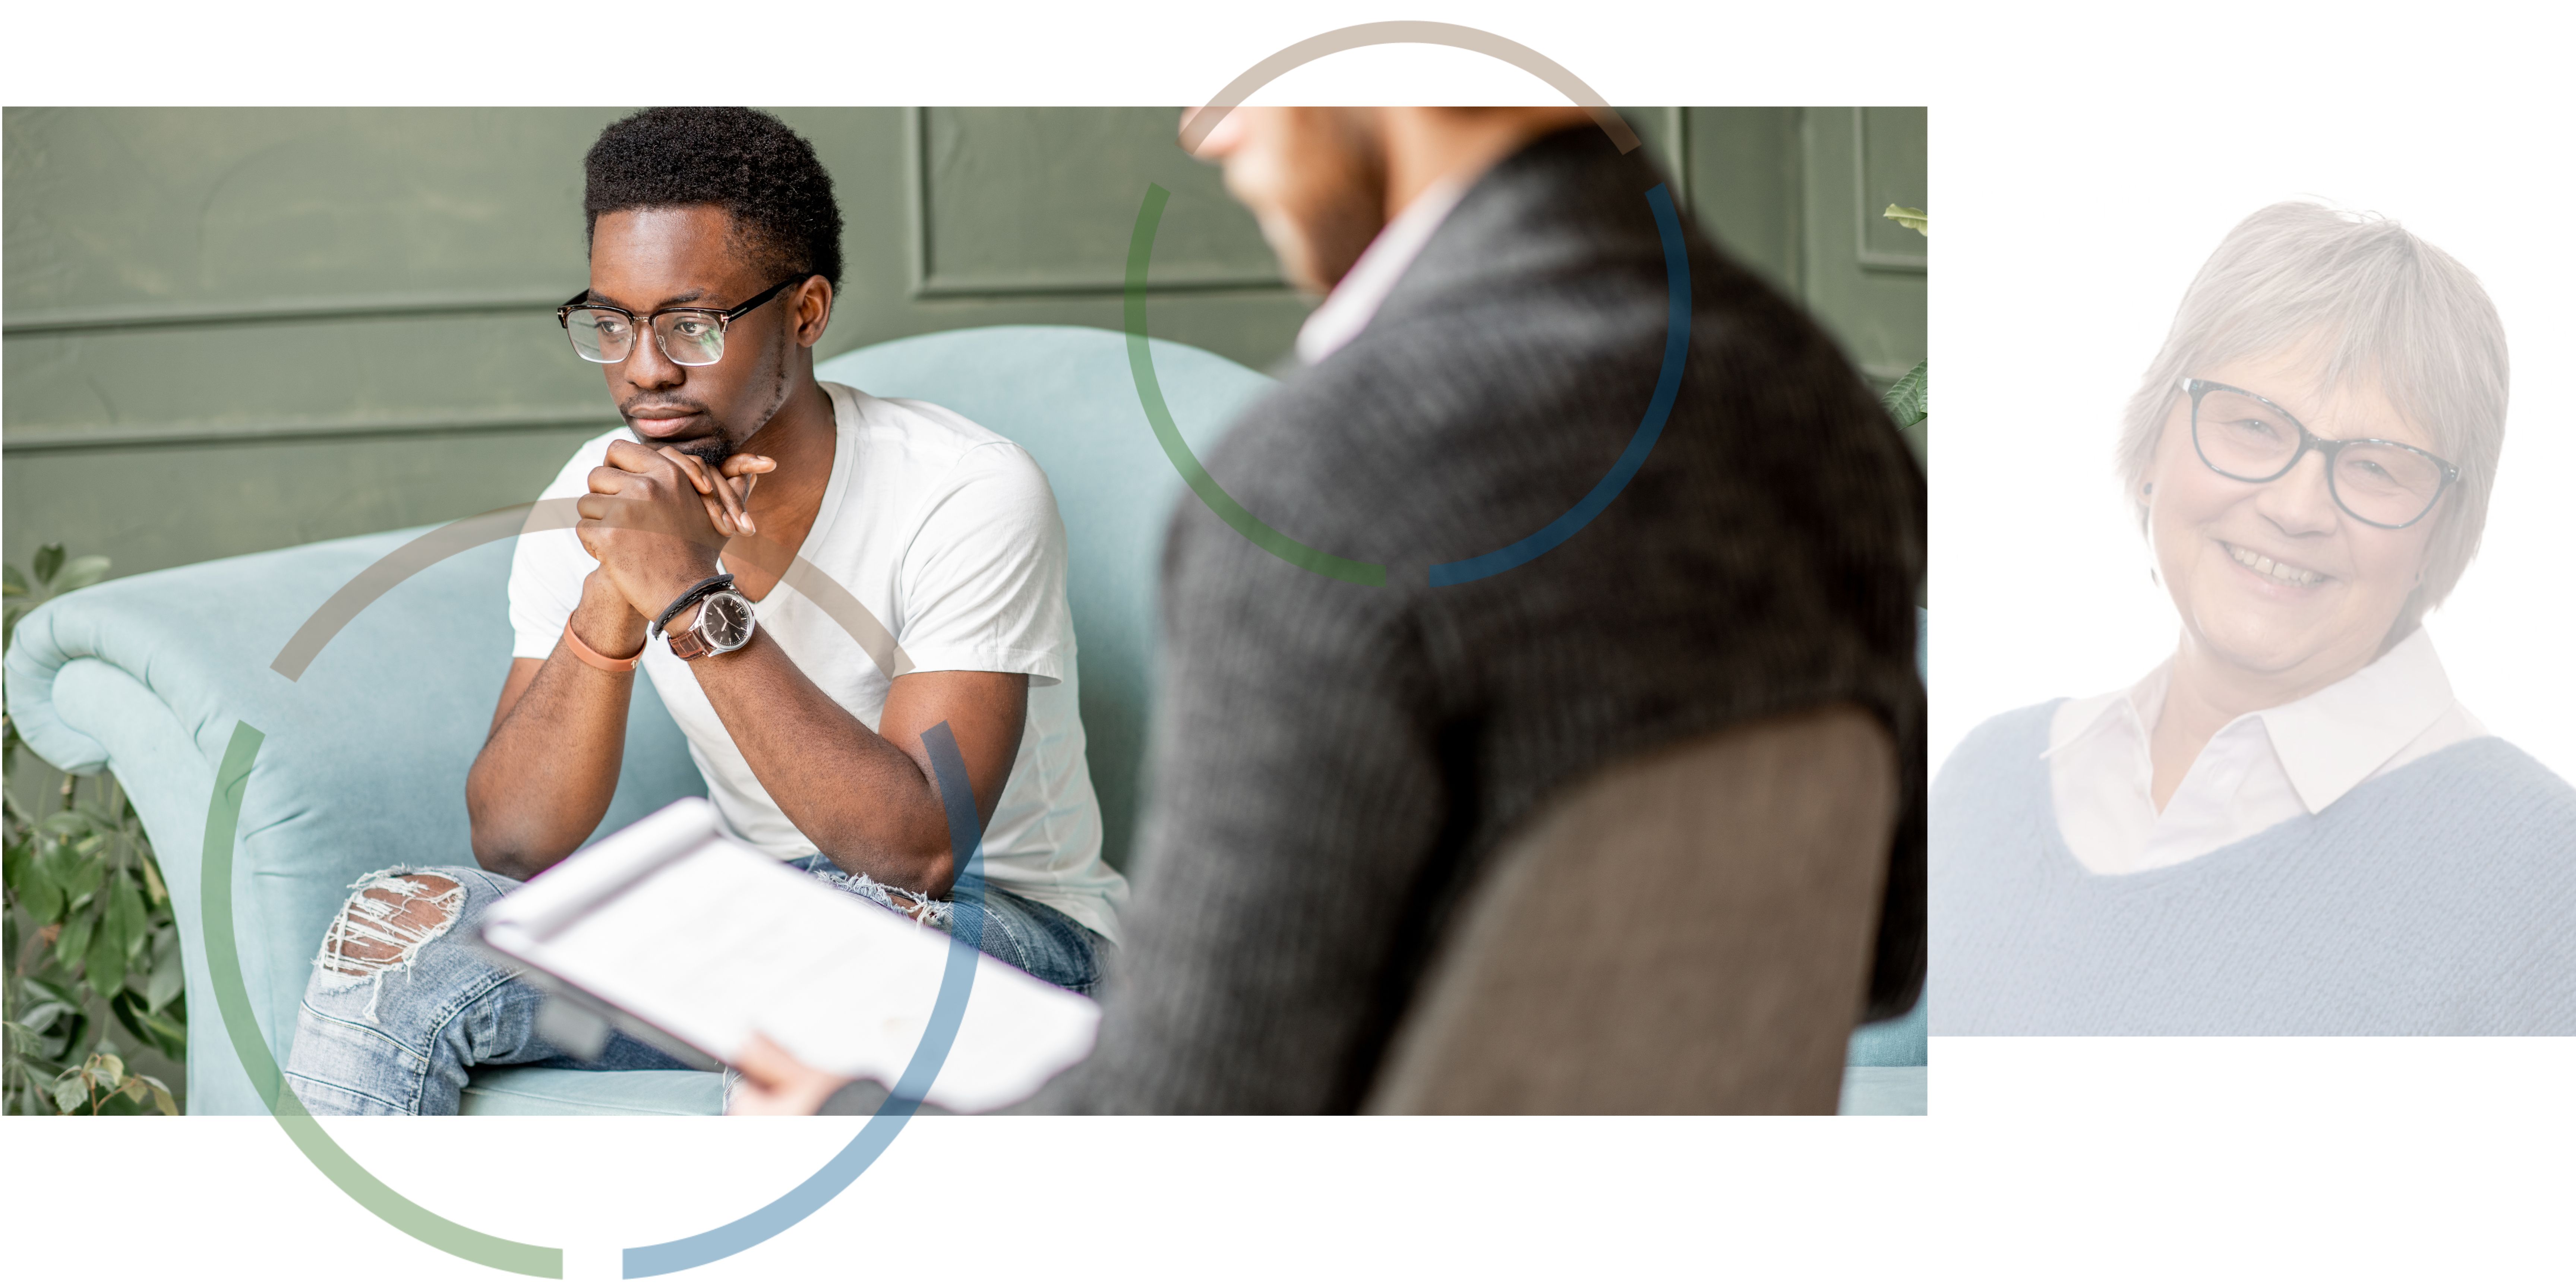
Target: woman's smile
2278	574
2274	580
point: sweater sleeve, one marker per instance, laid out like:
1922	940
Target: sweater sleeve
1294	803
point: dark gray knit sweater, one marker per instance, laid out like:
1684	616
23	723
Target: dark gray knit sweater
1331	761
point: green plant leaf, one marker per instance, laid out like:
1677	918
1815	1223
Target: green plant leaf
134	925
79	878
168	979
1910	217
88	570
41	1017
12	581
1906	401
63	1036
106	1068
19	858
78	931
167	1034
104	965
161	1099
67	1044
111	918
54	858
152	875
71	1091
49	560
55	989
42	898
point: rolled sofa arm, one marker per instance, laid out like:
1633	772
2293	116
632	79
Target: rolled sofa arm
364	759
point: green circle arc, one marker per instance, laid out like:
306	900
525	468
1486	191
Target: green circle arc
1641	443
232	1000
241	1025
1149	391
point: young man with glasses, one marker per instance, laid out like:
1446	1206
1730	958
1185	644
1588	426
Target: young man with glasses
714	259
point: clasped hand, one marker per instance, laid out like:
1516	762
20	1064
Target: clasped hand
656	518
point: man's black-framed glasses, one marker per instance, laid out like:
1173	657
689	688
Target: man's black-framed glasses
2249	438
689	336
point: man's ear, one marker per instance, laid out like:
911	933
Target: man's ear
811	307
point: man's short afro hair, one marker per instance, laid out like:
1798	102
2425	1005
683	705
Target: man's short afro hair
764	176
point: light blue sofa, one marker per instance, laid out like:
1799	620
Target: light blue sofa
364	762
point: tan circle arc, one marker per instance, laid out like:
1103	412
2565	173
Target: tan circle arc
431	547
1472	39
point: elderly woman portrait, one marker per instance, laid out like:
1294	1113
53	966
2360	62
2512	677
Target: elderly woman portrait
2289	826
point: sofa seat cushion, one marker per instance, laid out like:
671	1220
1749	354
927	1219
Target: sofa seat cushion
667	1092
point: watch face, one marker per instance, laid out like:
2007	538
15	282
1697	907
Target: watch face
725	621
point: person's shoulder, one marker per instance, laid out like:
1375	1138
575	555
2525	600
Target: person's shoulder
2491	785
922	425
2014	739
938	440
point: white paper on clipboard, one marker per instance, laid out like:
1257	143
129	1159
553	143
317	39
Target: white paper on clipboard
700	936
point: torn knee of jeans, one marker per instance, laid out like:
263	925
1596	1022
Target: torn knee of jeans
383	926
915	904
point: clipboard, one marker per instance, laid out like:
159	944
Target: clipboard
690	940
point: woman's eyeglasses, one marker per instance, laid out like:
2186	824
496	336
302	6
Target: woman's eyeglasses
2247	437
690	337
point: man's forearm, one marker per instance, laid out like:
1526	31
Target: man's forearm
868	805
549	768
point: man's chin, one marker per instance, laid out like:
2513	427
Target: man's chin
711	448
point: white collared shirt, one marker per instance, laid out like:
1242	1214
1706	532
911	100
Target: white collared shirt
2262	768
1355	299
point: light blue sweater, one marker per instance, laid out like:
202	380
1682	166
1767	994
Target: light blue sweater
2439	898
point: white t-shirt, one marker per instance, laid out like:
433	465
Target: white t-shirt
945	538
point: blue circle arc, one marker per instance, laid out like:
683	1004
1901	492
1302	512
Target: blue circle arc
1668	386
956	982
957	976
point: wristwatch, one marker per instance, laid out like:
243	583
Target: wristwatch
724	623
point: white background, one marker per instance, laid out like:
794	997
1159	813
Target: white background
2064	243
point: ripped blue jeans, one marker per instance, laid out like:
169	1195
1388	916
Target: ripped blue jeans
403	1004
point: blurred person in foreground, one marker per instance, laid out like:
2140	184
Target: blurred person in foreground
2290	826
1332	761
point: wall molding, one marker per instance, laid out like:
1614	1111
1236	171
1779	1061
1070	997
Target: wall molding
344	308
1879	260
1677	165
109	438
926	285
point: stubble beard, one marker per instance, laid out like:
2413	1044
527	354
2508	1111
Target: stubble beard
726	442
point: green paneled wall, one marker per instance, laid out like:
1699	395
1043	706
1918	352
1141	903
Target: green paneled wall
234	329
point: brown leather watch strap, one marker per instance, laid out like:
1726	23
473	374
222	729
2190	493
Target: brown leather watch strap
688	645
691	644
593	657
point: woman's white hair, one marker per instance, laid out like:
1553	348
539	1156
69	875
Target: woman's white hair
2374	303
